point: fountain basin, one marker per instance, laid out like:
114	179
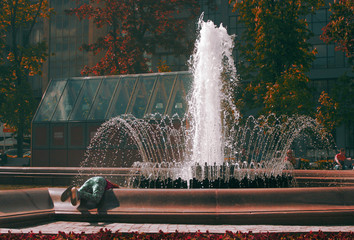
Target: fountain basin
290	206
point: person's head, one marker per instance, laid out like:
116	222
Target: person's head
342	150
289	152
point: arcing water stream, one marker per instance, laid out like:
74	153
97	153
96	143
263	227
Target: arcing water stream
165	149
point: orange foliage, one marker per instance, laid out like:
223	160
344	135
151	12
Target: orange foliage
327	111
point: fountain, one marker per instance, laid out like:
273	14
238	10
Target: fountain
209	147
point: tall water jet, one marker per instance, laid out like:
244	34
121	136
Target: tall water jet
211	59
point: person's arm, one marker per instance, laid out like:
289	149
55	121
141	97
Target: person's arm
337	160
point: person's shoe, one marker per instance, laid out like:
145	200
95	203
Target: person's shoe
66	194
74	197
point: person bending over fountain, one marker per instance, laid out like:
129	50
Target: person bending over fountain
92	190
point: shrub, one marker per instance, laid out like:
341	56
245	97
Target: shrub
108	234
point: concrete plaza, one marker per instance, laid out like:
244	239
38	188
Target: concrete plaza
78	227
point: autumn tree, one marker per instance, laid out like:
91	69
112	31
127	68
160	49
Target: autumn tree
340	29
163	67
2	68
20	59
275	54
337	108
326	113
135	28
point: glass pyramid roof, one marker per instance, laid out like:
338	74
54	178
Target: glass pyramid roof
101	98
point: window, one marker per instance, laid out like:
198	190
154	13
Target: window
58	135
50	100
85	99
67	100
103	98
161	94
122	96
178	104
317	21
141	96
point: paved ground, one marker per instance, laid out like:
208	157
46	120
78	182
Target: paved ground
78	227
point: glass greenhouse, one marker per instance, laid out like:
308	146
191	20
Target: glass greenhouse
72	109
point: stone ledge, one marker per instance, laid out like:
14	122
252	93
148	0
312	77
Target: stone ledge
218	206
290	206
25	207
